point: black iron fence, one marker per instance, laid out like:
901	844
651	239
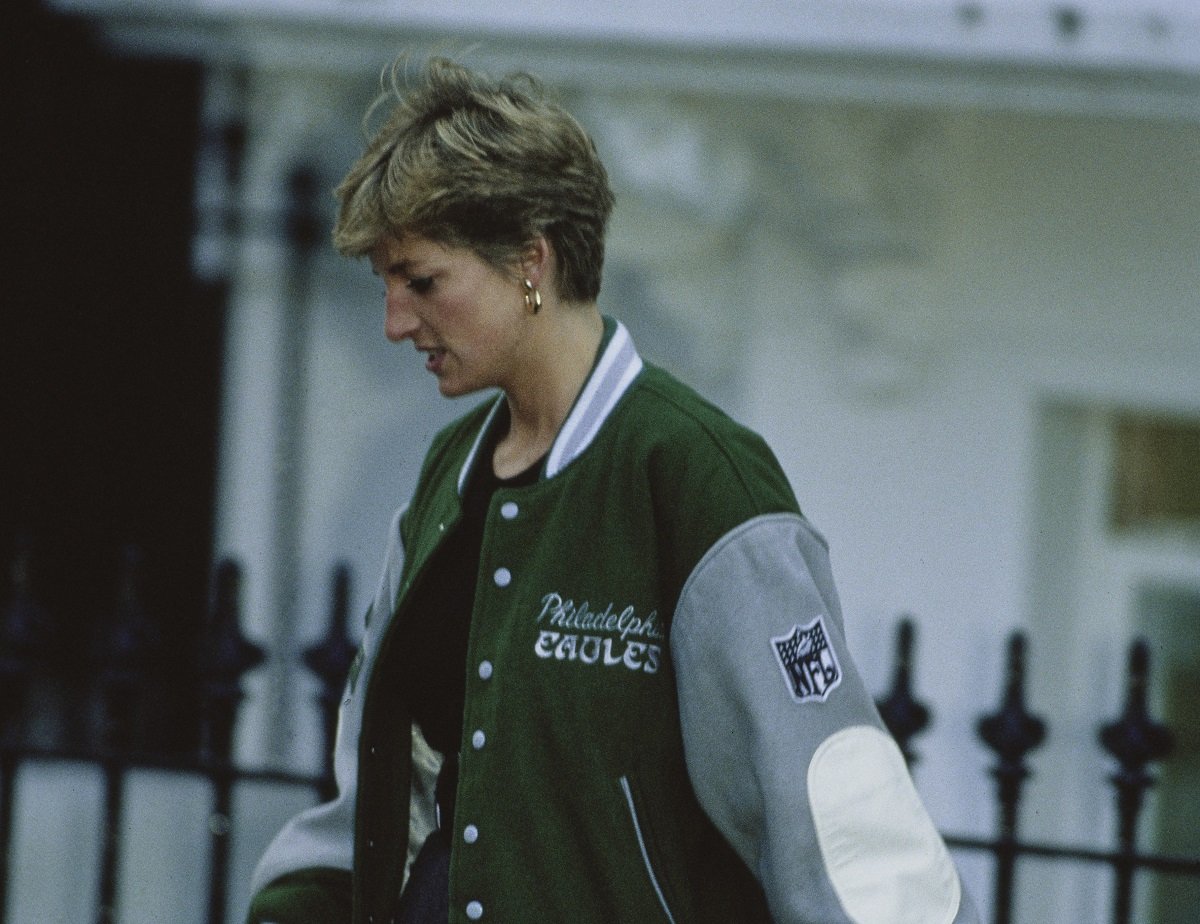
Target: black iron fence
118	684
121	680
1133	739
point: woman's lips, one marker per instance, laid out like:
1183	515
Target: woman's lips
434	360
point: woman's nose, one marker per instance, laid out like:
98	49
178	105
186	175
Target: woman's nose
399	322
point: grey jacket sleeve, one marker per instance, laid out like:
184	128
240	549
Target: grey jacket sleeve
785	749
323	836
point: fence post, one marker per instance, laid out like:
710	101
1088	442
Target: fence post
24	629
1011	733
330	660
227	656
1134	740
127	665
904	716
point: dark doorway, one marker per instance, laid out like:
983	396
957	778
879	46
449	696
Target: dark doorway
109	354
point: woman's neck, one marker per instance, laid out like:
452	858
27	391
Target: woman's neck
540	397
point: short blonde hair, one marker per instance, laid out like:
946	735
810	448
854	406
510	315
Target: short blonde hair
489	164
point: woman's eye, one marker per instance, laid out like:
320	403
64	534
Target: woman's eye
421	284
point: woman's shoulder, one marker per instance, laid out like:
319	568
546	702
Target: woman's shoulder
669	411
705	472
695	445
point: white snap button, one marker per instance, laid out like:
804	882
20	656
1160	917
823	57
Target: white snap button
485	670
509	510
470	834
474	911
502	577
479	739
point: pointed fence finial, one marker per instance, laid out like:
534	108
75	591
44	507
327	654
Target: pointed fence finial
1135	740
130	658
904	715
227	655
25	640
331	658
1012	732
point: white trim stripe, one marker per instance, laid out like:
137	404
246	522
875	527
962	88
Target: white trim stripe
611	378
637	829
487	425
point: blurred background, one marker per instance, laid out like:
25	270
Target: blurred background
944	255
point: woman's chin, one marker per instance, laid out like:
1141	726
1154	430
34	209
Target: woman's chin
450	387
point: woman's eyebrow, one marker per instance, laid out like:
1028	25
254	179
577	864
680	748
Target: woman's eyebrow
403	267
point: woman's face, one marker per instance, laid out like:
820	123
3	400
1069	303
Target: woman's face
462	313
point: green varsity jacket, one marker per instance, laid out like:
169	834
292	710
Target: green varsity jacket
662	722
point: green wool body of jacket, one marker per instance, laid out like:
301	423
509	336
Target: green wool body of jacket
609	589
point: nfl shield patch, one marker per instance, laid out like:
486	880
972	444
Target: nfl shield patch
809	664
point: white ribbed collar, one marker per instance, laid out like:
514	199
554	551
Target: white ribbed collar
616	367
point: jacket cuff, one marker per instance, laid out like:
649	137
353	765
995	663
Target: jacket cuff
307	896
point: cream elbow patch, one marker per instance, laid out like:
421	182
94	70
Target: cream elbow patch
884	857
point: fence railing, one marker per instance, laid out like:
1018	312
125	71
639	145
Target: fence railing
1134	739
120	682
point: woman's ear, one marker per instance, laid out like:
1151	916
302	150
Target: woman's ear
536	261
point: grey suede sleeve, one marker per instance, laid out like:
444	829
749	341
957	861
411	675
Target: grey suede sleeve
784	747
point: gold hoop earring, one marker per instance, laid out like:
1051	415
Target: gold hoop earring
533	298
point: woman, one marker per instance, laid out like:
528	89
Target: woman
604	626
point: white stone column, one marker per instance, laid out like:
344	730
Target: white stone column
260	484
